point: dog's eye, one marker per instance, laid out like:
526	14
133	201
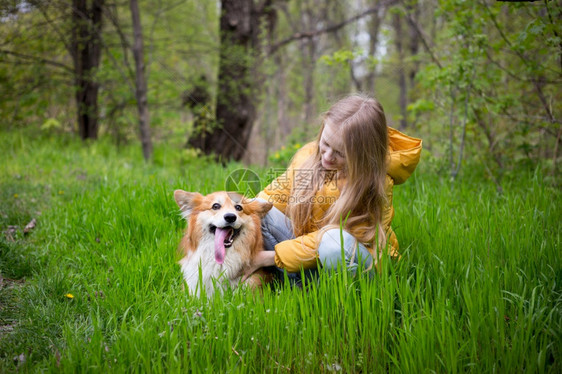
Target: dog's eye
238	207
216	206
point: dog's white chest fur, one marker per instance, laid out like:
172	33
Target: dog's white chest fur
201	265
222	236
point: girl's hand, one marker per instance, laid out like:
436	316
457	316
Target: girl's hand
262	259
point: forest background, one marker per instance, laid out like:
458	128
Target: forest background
477	80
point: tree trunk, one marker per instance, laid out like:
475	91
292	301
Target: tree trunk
397	23
308	49
282	97
140	82
236	101
414	11
86	54
374	28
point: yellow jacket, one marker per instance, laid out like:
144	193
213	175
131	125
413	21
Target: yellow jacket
404	155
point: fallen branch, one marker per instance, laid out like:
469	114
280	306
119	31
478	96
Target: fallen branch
30	226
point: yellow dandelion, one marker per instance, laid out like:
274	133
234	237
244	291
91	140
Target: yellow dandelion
298	145
61	192
69	296
277	155
16	196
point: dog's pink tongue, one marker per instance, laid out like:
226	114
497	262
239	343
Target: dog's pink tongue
220	236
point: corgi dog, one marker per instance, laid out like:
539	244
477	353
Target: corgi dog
223	235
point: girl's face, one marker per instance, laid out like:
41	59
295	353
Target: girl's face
331	148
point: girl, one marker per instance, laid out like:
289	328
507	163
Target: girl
337	192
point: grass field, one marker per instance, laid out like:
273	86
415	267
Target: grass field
478	289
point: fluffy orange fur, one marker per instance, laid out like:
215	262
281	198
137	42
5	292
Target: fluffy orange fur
203	212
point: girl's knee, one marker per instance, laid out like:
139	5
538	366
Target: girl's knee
337	246
330	247
333	238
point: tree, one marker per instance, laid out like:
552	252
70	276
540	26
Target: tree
494	77
86	54
398	40
374	30
140	82
236	99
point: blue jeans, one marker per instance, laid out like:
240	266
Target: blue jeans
276	227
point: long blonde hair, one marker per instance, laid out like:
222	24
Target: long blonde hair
362	125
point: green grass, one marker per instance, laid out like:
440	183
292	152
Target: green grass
478	288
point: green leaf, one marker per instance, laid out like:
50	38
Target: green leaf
51	124
421	105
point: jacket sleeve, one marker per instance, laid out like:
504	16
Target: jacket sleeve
301	252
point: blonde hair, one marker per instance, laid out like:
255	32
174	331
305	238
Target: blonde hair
362	126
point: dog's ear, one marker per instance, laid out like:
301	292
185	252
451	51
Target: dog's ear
261	207
187	201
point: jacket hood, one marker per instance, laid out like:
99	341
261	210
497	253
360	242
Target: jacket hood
403	155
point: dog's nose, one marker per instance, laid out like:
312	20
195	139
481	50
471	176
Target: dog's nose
229	217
